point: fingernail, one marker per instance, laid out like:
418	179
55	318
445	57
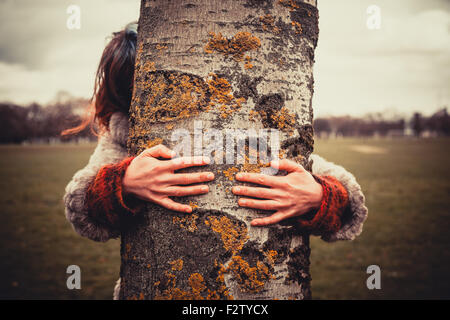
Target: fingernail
243	201
236	189
210	176
239	175
204	189
206	159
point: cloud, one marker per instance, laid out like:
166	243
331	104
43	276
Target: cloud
24	86
27	31
38	54
32	30
404	65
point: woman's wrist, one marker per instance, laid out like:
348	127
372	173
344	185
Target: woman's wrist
316	196
125	182
127	197
327	217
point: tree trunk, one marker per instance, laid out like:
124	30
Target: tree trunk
222	64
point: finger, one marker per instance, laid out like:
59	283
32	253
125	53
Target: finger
190	178
186	191
259	178
160	151
185	162
286	164
172	205
259	204
275	218
255	192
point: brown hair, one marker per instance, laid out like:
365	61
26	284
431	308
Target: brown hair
113	82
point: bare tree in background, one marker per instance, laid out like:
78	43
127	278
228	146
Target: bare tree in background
231	64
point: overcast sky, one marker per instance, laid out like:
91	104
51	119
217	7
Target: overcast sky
404	66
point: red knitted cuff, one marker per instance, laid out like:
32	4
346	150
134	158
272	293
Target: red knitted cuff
328	217
104	198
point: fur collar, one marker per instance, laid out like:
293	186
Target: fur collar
118	128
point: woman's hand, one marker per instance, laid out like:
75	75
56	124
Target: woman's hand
290	196
154	180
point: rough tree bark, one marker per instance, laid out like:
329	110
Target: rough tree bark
231	64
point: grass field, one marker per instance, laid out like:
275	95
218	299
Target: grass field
407	188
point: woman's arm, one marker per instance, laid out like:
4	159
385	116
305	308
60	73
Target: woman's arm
328	202
353	217
120	190
106	202
112	186
107	151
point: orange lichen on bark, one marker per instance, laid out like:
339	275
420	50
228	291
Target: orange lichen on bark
297	26
233	234
249	279
173	96
230	173
193	204
134	297
170	96
268	23
220	89
236	47
177	265
282	119
220	279
253	167
249	167
281	154
248	64
149	66
253	115
161	47
196	283
222	96
290	4
171	292
271	256
188	222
